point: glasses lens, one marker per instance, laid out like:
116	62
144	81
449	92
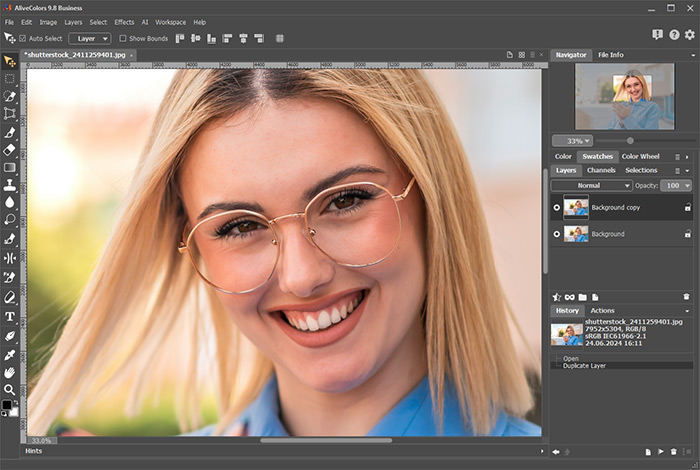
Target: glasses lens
234	251
356	225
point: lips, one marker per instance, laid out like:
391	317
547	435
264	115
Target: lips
324	322
321	319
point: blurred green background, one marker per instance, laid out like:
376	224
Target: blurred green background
84	145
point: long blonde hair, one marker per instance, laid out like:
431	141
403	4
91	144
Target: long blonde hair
143	293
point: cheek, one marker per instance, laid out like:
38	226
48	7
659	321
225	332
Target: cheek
408	264
243	311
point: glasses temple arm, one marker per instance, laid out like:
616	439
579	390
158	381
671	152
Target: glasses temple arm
402	196
182	246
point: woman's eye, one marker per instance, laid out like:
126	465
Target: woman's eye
343	202
347	200
238	228
245	227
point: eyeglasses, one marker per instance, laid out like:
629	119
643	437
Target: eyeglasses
355	224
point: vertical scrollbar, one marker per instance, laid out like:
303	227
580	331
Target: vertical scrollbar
545	222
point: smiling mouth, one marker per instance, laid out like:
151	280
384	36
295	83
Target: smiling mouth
309	322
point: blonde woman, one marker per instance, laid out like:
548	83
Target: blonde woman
329	218
570	338
632	104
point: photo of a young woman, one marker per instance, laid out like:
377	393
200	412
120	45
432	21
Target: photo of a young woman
330	219
632	105
625	96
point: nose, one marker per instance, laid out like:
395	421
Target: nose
302	268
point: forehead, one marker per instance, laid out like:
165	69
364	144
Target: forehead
632	81
279	148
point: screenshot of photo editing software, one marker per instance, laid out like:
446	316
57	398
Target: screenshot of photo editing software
350	234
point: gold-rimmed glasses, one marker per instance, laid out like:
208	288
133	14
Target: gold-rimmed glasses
354	224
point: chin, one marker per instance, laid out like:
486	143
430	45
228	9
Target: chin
336	376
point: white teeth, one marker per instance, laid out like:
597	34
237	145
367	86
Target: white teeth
303	325
324	320
313	326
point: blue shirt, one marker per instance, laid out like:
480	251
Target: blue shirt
573	341
581	238
412	416
644	115
581	211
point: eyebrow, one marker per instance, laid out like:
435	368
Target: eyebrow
230	206
339	176
309	194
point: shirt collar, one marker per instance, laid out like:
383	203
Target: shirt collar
412	416
261	418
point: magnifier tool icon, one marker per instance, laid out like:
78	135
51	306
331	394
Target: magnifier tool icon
10	219
8	389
